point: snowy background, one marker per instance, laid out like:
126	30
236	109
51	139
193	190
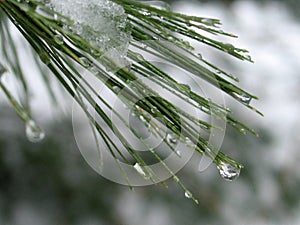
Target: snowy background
49	182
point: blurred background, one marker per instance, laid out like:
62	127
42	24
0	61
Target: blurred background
50	183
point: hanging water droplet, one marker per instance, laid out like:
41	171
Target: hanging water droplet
33	132
228	172
188	194
59	39
171	140
243	97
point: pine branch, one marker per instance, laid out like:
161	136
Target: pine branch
65	52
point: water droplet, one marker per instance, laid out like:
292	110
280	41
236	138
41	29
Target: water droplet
248	57
178	152
229	47
33	132
188	194
94	70
208	21
171	140
189	142
228	172
186	87
140	170
45	57
159	5
205	109
243	98
45	12
142	118
95	53
243	131
59	39
154	110
199	56
145	12
25	7
140	57
116	88
85	62
170	38
176	179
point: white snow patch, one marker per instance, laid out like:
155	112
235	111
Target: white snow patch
101	22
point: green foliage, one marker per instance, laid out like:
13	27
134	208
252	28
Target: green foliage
66	54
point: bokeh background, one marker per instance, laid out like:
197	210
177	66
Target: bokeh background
50	183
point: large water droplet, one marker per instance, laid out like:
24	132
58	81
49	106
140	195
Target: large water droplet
228	172
33	132
188	194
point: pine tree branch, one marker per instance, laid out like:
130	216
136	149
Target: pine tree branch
65	52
